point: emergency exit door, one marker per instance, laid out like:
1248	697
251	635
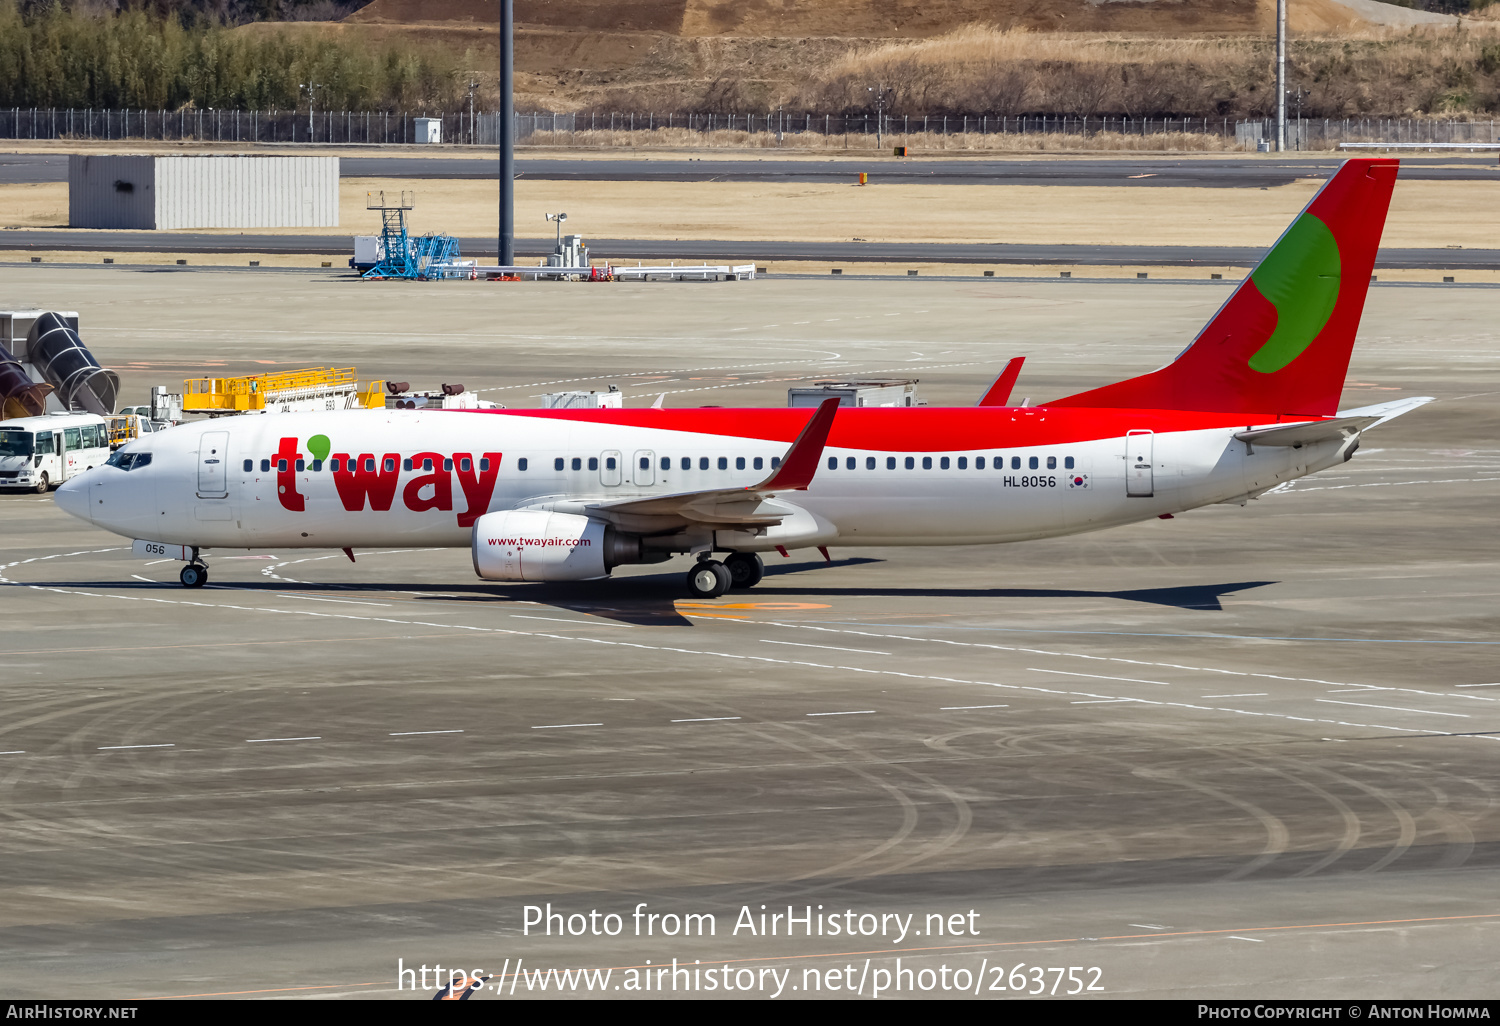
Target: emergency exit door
1139	480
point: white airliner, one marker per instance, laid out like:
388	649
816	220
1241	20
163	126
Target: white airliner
565	495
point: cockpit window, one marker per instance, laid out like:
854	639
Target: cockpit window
128	460
16	443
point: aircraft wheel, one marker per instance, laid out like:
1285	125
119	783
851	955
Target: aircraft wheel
708	579
193	576
745	569
42	485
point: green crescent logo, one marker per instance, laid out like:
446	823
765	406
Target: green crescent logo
319	445
1300	277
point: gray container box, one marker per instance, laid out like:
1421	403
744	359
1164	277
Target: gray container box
202	192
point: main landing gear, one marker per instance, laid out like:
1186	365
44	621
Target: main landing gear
710	578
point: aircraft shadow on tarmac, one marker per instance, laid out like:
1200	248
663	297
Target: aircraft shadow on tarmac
652	600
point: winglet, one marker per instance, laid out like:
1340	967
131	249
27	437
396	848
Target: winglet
801	460
660	400
999	392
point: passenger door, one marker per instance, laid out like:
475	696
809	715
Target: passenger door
213	464
610	471
1139	479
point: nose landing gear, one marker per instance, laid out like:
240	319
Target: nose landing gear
194	575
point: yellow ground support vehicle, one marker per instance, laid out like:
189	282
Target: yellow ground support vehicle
298	391
126	427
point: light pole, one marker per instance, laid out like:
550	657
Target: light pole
507	133
1280	76
308	88
879	92
559	218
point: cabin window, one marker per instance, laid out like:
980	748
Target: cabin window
1015	463
911	463
390	464
963	463
890	463
281	466
739	463
249	466
301	466
775	462
978	463
557	464
869	462
759	463
427	464
926	462
943	463
1051	462
833	463
337	465
687	463
406	464
317	466
577	463
723	462
484	465
609	463
521	464
1031	464
369	465
1067	463
593	463
448	464
702	462
850	462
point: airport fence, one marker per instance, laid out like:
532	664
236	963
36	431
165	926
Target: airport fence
774	129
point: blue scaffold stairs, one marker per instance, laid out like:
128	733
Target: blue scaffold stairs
425	257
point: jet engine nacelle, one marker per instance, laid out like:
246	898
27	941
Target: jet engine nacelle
537	545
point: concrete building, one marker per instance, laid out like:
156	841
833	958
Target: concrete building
202	192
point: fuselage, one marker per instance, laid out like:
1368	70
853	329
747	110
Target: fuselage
923	476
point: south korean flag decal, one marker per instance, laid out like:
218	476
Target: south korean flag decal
1078	480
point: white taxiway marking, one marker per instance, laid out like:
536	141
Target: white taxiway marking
350	602
1146	926
409	733
13	753
847	712
559	619
112	748
1478	685
1100	701
259	740
831	648
140	578
1248	694
1257	940
1392	708
1096	676
554	726
951	708
707	719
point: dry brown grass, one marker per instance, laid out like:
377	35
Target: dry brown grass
1376	71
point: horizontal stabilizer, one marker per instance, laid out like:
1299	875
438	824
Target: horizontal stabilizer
1349	422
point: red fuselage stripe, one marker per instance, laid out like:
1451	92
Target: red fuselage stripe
921	429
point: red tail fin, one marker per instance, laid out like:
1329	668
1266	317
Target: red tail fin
1281	343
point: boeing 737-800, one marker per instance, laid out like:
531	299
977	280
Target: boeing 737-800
562	495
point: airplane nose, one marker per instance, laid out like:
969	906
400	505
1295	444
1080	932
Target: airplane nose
73	496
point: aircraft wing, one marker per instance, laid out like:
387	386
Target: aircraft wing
1348	422
998	394
737	507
